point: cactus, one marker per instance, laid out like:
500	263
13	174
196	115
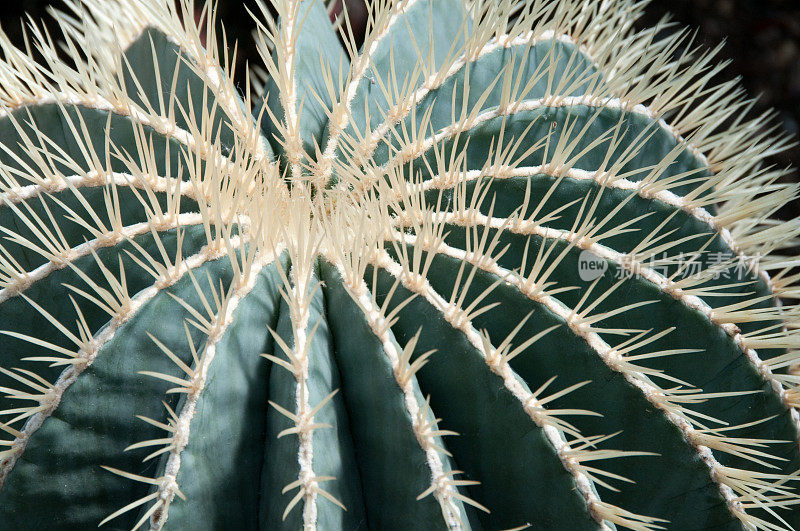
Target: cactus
504	265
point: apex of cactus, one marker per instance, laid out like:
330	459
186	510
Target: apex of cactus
503	265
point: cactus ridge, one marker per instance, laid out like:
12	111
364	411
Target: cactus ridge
86	348
350	295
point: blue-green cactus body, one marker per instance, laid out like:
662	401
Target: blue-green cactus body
361	302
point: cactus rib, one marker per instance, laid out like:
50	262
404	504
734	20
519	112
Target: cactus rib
215	328
645	188
381	30
442	486
99	103
52	184
497	362
26	278
732	483
86	352
682	291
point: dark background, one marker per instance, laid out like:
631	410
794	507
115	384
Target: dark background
762	41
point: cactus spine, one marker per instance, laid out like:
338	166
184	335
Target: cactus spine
505	265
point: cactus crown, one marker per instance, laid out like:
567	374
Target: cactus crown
506	264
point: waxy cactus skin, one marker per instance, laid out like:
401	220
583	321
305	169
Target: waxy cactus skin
504	265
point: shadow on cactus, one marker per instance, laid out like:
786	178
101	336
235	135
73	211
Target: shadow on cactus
500	267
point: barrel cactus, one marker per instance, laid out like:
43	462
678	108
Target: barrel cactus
504	265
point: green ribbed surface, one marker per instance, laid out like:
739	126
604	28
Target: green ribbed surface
236	463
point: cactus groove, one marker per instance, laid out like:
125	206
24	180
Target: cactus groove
505	265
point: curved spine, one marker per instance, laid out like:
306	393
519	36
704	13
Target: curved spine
497	363
733	487
223	318
85	356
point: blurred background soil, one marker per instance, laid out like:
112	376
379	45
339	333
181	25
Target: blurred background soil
762	41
